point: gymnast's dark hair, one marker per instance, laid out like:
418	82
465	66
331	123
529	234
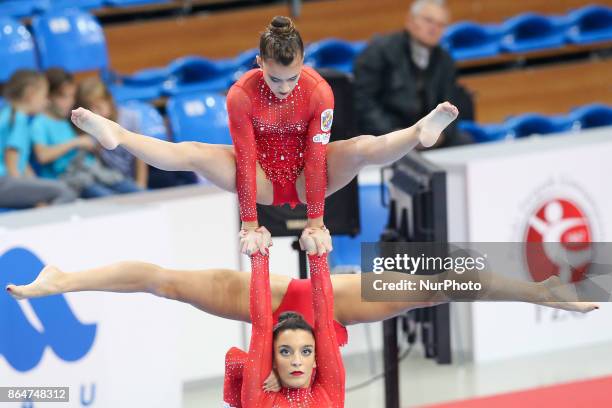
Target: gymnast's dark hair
281	41
291	321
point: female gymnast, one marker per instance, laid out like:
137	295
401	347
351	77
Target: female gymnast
280	120
292	348
225	293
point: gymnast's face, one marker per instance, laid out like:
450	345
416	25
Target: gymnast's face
281	78
294	358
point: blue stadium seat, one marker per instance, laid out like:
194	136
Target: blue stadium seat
359	46
22	8
332	53
590	24
71	39
16	48
200	117
590	116
244	62
151	121
144	85
79	4
530	31
531	124
129	3
196	74
467	40
484	133
346	255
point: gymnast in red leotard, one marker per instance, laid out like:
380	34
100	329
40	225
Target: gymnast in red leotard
292	348
285	136
280	119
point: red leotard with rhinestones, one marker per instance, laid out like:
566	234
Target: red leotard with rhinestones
243	386
285	136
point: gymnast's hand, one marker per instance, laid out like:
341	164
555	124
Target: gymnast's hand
316	241
252	240
272	384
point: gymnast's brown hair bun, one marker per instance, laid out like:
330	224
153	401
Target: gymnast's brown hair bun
291	321
281	25
281	41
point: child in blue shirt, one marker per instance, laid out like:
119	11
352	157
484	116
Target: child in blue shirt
66	156
26	94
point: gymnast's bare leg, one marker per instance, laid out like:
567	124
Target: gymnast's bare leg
345	158
216	163
225	293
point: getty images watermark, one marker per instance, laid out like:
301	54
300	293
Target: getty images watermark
420	264
530	272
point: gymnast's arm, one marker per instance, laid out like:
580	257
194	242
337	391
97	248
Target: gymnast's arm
315	164
259	363
243	137
330	369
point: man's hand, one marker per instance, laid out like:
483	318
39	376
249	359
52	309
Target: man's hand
253	240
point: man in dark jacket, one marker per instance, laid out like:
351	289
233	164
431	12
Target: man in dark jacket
401	77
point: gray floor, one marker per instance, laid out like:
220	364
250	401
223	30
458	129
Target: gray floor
425	382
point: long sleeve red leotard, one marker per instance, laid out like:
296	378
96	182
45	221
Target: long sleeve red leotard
286	136
327	389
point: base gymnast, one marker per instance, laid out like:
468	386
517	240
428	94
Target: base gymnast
225	293
293	349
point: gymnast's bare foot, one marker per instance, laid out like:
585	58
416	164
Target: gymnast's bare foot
105	131
564	296
432	125
48	282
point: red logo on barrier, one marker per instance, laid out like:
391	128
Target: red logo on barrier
559	238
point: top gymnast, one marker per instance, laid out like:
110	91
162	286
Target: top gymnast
280	117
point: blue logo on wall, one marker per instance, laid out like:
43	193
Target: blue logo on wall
21	344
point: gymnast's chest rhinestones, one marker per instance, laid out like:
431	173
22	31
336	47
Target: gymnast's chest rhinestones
281	130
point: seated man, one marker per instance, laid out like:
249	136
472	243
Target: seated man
401	76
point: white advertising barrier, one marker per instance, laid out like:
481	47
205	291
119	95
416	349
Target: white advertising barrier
539	189
119	350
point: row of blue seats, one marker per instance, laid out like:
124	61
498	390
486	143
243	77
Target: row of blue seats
74	40
198	74
464	40
203	117
26	8
529	32
585	117
71	39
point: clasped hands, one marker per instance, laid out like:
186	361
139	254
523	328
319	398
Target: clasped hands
313	240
